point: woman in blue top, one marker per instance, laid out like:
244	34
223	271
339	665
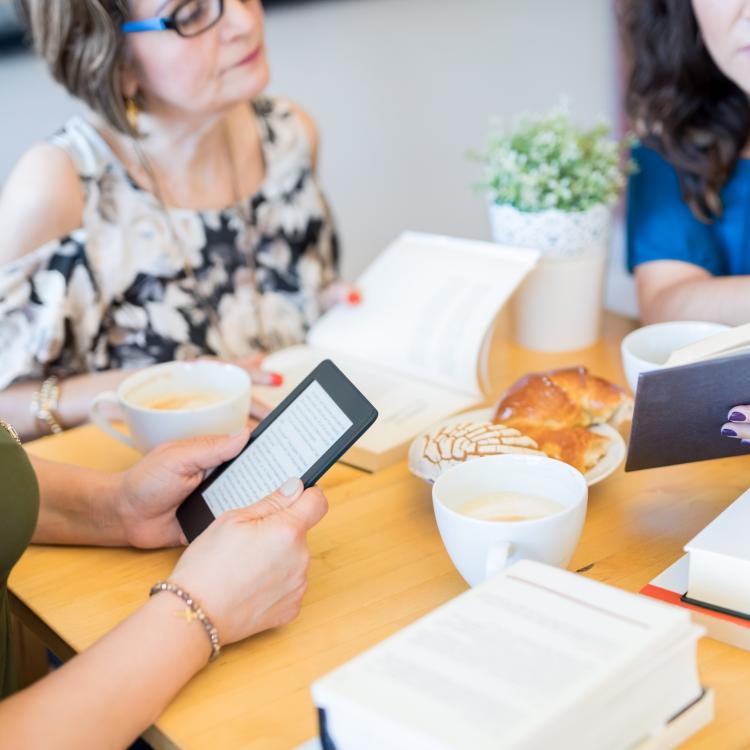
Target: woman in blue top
689	204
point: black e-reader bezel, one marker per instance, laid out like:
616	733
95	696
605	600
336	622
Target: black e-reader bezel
194	515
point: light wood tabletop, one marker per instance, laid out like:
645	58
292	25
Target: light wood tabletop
377	564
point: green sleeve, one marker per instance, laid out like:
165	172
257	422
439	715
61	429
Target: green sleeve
19	509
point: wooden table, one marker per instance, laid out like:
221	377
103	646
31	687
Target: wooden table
377	564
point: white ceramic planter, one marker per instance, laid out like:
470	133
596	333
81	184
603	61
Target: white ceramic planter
559	305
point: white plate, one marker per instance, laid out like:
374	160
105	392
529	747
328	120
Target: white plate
609	463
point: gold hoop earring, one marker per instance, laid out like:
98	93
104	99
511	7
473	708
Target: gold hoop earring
131	113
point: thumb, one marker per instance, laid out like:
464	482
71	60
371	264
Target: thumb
310	508
284	497
206	452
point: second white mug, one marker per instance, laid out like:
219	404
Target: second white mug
177	400
478	547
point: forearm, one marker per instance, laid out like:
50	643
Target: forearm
723	299
76	395
77	505
112	692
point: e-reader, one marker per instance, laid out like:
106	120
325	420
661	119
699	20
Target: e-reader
302	437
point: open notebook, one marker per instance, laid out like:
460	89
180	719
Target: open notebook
417	345
680	408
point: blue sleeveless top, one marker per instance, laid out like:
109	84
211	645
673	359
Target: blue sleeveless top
660	225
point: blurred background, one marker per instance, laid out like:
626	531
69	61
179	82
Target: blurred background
401	91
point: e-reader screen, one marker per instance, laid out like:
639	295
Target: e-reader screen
292	444
302	437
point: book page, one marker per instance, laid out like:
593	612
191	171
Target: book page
405	406
480	671
427	304
723	344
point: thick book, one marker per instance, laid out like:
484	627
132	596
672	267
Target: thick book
719	572
680	727
417	345
535	657
683	725
671	586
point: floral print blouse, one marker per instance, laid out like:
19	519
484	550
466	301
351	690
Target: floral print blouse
120	292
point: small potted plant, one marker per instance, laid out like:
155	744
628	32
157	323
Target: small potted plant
551	186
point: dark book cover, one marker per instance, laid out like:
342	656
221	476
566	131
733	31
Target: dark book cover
679	412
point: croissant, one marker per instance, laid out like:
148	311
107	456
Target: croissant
563	398
601	400
577	446
555	408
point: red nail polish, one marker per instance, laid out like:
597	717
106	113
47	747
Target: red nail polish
276	378
354	298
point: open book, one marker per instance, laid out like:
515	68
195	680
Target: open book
725	344
680	408
418	343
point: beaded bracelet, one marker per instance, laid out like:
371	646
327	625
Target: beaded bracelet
191	613
44	404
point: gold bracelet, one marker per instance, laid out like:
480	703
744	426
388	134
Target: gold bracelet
44	404
191	613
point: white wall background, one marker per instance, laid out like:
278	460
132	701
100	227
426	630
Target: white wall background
401	90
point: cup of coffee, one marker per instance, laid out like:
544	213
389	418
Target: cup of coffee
499	509
177	400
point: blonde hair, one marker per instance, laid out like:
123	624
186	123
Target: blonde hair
84	48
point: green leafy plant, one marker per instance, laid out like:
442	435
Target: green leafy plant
545	162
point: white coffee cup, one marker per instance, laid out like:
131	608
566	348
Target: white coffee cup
479	548
648	348
224	410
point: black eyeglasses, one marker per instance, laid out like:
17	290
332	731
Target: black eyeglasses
189	18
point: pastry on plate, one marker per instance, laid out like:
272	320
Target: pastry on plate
454	443
556	408
559	399
577	446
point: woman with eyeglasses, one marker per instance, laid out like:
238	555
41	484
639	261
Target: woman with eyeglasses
179	218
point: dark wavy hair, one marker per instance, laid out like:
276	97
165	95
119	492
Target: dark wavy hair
679	101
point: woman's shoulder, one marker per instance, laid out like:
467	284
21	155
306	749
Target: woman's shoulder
287	122
660	224
657	182
655	185
85	146
41	200
650	162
